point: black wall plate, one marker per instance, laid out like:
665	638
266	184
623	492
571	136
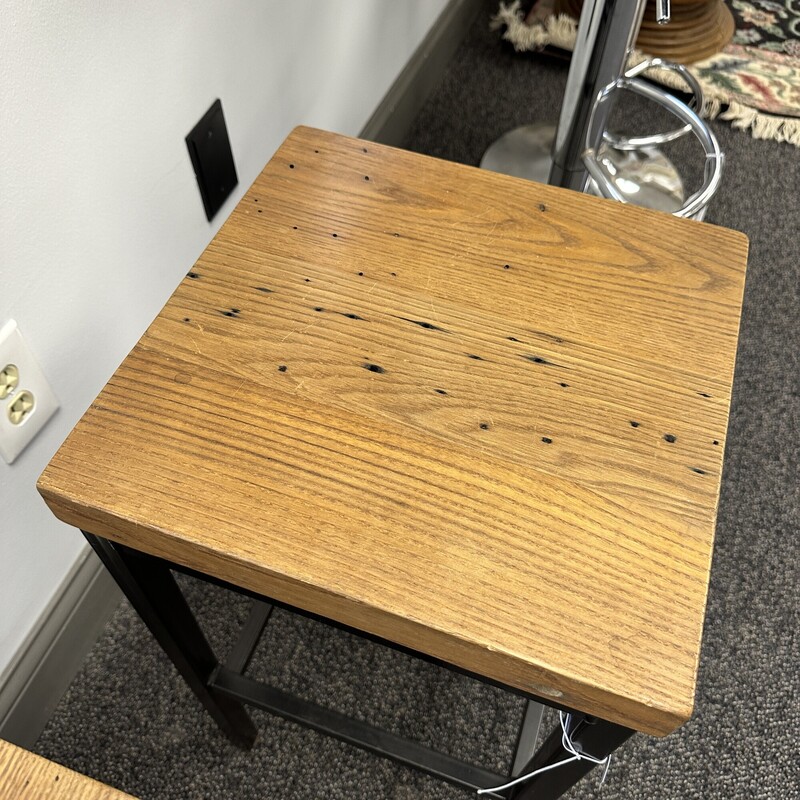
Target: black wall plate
212	159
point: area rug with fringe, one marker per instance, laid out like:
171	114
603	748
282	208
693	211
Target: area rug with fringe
754	82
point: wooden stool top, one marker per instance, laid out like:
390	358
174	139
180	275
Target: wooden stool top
480	417
26	776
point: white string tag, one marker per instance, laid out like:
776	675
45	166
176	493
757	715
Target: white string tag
567	744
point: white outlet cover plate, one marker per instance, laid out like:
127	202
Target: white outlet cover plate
13	350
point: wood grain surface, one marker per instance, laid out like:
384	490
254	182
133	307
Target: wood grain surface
26	776
481	417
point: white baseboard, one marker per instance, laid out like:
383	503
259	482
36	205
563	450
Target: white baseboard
424	71
55	649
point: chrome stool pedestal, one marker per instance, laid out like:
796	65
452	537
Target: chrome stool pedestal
581	154
644	177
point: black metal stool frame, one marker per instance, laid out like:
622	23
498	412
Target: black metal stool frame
224	689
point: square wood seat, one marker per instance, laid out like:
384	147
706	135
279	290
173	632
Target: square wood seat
478	417
27	776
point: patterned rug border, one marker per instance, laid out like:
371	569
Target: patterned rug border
727	104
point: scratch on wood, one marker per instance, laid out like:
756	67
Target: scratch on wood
238	388
471	220
299	330
575	325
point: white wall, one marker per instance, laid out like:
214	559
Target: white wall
100	216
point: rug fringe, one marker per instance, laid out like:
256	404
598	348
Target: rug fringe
561	31
763	126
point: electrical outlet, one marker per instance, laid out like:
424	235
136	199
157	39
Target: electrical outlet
26	399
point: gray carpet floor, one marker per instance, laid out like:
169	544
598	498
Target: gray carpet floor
129	720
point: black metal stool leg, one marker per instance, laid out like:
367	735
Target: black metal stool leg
152	591
590	735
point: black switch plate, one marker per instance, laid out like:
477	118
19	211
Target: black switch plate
212	159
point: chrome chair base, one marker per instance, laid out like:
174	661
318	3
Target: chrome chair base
645	177
523	152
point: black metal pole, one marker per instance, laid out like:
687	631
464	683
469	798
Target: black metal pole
606	32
